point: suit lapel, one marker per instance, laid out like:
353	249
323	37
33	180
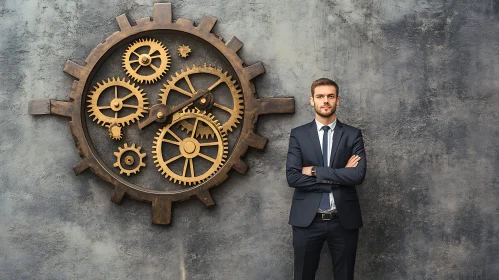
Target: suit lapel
314	136
338	131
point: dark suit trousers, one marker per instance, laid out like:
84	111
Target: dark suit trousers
308	242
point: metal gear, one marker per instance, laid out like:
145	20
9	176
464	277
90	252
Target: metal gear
184	51
236	112
146	59
117	103
129	160
190	148
162	21
115	131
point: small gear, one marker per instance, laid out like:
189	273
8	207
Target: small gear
190	148
137	57
184	51
115	131
235	112
129	159
117	103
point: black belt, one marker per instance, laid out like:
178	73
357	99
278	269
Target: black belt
326	216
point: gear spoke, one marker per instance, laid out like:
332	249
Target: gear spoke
222	107
171	142
104	107
174	135
138	55
136	69
152	50
195	127
156	69
206	157
208	144
115	92
182	91
130	106
185	166
173	159
190	84
156	56
128	96
215	84
134	61
192	167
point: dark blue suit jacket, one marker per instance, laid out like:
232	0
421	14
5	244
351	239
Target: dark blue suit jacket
305	150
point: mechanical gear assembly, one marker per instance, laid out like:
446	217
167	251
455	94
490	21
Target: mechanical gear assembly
236	112
126	157
246	109
190	148
155	51
117	103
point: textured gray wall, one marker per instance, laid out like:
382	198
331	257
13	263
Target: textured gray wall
419	77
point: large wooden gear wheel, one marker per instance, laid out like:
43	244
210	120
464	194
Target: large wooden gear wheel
162	20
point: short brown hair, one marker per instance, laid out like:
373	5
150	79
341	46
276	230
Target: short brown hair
324	82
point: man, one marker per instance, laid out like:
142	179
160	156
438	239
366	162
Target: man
326	159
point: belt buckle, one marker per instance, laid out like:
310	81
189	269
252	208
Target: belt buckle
327	216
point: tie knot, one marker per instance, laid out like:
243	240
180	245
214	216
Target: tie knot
326	128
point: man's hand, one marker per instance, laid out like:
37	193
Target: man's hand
353	161
307	170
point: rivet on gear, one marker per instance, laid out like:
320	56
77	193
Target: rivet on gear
109	113
184	51
115	131
190	148
236	112
144	55
129	160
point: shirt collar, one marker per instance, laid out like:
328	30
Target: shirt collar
320	125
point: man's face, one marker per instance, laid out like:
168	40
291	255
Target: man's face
325	100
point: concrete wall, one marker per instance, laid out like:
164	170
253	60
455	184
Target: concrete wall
419	77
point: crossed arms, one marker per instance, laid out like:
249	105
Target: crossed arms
326	178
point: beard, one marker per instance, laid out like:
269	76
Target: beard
325	115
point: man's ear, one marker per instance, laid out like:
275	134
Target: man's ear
311	101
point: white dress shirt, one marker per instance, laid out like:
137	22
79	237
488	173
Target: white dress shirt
320	131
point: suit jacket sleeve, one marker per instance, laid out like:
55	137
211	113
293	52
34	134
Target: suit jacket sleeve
294	168
346	176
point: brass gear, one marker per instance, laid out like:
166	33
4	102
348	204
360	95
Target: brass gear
146	60
237	97
115	131
184	51
129	160
189	148
116	103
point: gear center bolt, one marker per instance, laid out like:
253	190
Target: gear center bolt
145	60
189	147
129	160
116	104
